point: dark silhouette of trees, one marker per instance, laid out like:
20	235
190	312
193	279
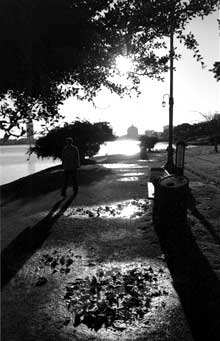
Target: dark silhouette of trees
148	142
50	50
216	65
87	136
216	71
53	49
206	132
215	141
183	132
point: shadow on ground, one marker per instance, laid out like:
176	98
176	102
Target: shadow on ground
196	283
46	181
28	241
204	221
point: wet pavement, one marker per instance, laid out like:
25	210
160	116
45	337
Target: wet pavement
100	273
128	209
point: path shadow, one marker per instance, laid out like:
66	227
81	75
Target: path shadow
197	285
47	181
195	212
28	241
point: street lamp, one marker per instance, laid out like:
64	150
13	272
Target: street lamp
170	164
164	102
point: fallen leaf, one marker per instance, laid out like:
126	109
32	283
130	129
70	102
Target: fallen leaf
41	281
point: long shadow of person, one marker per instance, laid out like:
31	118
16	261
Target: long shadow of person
28	241
196	283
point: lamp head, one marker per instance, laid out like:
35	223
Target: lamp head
163	104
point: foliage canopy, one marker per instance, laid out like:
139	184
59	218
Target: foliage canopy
148	142
52	49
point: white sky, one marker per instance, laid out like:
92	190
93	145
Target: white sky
195	90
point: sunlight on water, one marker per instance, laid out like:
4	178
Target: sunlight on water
15	163
125	147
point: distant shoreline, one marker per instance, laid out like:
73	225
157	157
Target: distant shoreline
14	142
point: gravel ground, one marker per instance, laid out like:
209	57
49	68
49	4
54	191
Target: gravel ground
89	267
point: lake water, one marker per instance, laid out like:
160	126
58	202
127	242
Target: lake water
14	163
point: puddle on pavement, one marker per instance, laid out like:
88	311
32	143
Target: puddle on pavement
129	209
117	298
123	165
128	177
131	178
133	174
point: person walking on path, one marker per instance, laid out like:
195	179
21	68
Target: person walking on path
71	163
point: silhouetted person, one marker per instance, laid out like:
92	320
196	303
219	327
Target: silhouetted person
71	163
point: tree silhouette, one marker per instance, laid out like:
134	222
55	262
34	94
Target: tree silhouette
53	49
216	65
87	136
208	131
50	50
148	142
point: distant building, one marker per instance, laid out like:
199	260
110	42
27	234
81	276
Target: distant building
132	132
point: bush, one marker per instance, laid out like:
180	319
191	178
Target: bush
148	142
87	136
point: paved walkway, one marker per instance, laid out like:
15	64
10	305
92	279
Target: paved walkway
54	244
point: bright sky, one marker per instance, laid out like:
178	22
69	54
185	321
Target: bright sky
195	90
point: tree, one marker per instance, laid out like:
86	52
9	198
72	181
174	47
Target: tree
147	24
208	131
212	127
87	136
183	132
216	65
216	70
215	141
148	142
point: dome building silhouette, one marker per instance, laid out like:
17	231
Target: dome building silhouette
132	132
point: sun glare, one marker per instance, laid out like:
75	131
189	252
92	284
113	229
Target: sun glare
124	64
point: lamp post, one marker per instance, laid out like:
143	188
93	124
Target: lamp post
170	164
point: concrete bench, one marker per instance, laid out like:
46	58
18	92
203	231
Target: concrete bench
150	190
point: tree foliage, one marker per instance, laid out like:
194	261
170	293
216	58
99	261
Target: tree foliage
148	142
87	136
207	132
52	49
216	66
216	70
146	24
